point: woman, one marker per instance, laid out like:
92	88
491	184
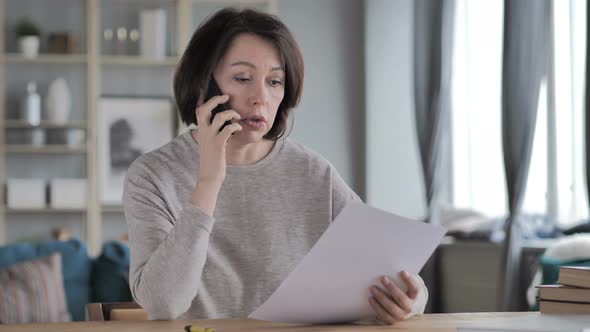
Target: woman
222	214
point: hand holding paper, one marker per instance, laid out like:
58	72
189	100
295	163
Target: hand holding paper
392	304
331	284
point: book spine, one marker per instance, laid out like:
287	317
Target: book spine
555	307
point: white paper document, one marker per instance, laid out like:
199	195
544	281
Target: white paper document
331	283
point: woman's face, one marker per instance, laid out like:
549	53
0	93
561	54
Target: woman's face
252	74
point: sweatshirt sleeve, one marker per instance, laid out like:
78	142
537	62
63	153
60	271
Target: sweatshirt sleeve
342	194
421	299
167	253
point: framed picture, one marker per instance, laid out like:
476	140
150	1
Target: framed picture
127	128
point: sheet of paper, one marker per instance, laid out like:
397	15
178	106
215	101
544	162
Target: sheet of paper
331	284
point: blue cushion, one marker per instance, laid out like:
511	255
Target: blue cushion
17	253
110	274
76	267
550	268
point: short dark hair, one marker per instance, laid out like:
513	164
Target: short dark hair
209	44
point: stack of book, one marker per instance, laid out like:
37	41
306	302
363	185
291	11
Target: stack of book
570	296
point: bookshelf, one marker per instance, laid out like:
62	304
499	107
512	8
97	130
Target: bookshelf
50	149
137	61
94	67
46	59
20	124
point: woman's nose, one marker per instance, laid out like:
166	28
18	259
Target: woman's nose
259	94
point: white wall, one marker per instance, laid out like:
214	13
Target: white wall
394	180
357	105
330	118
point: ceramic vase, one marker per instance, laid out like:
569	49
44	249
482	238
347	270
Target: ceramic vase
59	101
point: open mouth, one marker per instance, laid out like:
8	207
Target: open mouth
255	122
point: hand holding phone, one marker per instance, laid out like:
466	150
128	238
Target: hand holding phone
212	91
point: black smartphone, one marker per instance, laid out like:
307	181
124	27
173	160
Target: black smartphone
212	91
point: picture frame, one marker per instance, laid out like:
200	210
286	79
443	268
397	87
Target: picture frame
128	127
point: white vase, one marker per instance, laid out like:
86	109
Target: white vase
29	46
59	101
31	105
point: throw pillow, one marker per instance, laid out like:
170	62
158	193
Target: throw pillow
33	292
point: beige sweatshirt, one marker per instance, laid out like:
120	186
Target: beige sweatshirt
185	264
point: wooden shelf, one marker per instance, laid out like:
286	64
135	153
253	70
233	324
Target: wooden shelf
92	65
48	149
46	59
44	210
20	124
133	60
234	2
112	209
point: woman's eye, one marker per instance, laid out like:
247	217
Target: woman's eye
275	82
241	79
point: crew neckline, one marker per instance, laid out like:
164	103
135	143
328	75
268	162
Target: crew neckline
276	148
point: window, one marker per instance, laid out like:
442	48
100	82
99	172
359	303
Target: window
569	64
556	181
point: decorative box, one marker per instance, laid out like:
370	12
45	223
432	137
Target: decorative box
68	193
26	194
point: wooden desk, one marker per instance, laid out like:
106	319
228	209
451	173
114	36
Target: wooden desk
423	323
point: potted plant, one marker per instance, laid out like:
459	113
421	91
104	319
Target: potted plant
27	34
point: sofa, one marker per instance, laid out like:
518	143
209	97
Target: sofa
85	279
